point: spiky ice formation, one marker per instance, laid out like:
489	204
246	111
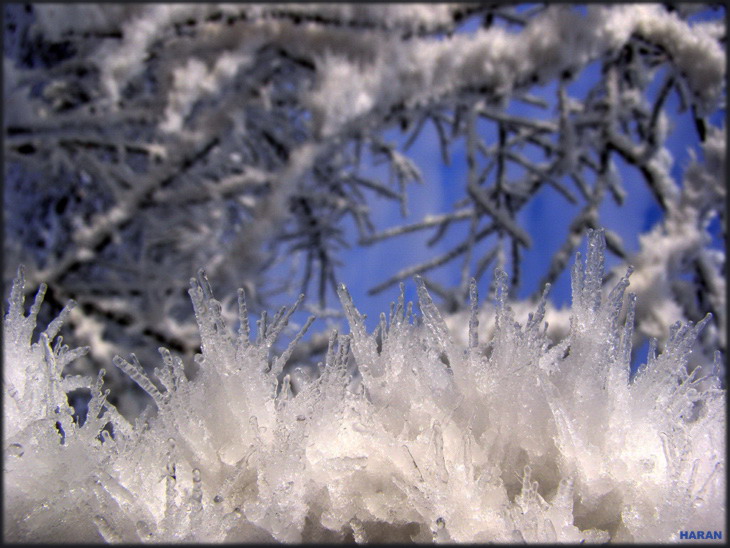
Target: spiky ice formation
514	439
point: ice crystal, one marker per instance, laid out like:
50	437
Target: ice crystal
507	440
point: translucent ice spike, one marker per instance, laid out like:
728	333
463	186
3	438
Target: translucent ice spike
244	331
431	315
593	278
329	359
208	311
382	330
628	332
281	320
534	319
261	327
576	283
55	326
683	337
175	371
17	297
612	310
17	323
36	306
564	495
473	319
137	374
363	345
397	314
279	363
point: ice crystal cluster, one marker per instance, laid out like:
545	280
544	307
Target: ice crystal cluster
401	435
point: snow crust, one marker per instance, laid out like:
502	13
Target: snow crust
405	434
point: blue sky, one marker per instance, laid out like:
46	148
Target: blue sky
546	217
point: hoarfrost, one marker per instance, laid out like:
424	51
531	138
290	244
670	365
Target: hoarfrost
511	437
